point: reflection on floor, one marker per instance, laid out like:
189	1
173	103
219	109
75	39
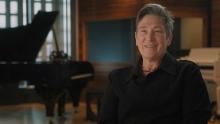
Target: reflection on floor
35	114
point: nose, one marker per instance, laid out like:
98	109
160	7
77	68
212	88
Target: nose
149	36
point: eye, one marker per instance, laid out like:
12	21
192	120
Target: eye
143	31
158	31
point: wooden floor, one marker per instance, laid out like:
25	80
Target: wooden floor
35	114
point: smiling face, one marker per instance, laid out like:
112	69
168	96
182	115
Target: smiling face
152	39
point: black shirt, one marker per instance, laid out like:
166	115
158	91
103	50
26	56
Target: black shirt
173	94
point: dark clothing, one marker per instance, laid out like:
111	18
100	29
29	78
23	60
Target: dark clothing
173	94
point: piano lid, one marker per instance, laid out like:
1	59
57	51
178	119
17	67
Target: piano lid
24	42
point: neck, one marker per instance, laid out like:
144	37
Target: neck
150	65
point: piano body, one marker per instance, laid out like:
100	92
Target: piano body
208	59
19	48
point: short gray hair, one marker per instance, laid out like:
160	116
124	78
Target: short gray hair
156	9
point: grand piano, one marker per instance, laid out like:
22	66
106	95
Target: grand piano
208	60
19	48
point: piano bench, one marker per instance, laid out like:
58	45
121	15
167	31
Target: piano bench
90	97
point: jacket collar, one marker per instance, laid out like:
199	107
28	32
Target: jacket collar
168	64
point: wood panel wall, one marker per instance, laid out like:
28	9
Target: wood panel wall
96	10
215	25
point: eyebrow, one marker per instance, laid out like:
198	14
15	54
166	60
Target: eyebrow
142	27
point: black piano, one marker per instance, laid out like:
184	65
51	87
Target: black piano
19	48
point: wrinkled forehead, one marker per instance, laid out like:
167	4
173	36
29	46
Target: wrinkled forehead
151	21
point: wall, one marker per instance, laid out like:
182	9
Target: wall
111	41
96	10
191	33
215	25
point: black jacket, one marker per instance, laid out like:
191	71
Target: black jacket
173	94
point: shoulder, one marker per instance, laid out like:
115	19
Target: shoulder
188	70
187	65
120	75
121	72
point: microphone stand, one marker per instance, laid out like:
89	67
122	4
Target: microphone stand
57	55
55	39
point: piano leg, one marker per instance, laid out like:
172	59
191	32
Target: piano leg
61	104
49	105
50	96
75	90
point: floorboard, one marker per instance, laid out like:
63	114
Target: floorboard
34	113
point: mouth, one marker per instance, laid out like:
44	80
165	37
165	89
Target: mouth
149	46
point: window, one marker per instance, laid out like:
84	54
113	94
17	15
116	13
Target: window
20	12
9	13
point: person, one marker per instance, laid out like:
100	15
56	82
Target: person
158	89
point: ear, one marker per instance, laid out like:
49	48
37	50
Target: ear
169	39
